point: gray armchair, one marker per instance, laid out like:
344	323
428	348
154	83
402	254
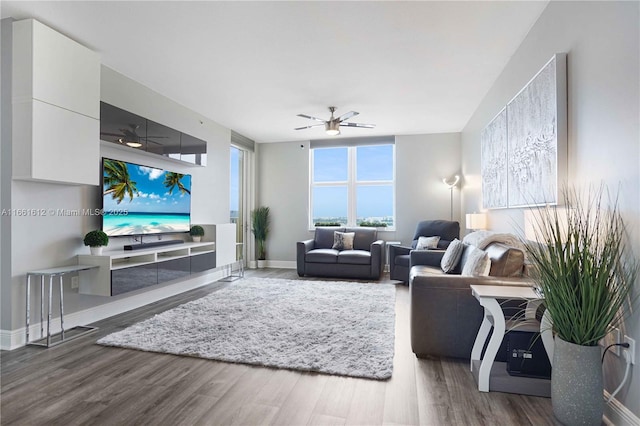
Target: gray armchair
402	258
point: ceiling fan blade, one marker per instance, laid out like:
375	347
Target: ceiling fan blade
308	127
310	117
347	115
366	126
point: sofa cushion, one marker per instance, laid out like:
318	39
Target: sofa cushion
364	237
477	263
452	256
506	261
355	257
425	243
322	256
323	238
343	240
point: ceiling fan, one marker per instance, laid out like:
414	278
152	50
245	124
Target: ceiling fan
130	136
332	125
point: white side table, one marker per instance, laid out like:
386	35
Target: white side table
386	249
483	369
64	335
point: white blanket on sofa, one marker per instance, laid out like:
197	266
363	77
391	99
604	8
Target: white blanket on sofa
482	239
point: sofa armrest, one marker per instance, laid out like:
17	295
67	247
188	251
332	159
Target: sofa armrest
398	251
377	258
444	315
426	257
419	278
302	248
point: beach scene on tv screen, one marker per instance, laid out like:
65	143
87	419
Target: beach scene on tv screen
140	200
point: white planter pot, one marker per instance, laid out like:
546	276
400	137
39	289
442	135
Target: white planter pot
96	251
262	264
196	239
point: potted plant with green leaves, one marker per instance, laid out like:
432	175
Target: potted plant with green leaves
96	240
260	226
196	232
582	265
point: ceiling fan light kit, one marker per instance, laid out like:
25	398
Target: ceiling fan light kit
332	128
332	125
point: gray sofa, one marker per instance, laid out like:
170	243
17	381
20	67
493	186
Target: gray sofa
315	257
444	316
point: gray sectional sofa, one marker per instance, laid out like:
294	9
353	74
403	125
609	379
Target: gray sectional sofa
444	316
316	257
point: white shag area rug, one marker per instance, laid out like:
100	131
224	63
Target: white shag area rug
342	328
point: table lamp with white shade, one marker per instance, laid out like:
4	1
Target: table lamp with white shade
476	221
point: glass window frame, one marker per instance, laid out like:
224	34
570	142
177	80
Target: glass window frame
351	184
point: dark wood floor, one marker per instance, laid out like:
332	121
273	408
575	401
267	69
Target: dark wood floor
80	382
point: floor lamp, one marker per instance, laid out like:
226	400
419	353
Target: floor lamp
451	183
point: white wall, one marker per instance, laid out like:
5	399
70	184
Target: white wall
41	242
5	168
601	40
421	163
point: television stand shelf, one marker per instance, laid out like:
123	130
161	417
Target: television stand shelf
122	271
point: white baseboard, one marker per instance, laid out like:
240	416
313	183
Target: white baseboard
617	414
283	264
12	339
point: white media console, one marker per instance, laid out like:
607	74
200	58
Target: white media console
121	271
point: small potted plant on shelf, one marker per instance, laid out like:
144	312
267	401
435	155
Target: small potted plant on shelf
96	240
260	227
196	232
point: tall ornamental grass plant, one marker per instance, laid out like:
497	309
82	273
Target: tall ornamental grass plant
583	265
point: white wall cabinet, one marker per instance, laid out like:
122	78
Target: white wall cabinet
56	107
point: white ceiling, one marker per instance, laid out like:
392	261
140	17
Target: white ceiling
408	67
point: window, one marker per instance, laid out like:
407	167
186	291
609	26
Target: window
353	184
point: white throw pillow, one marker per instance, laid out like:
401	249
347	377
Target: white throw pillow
451	257
343	240
425	243
478	264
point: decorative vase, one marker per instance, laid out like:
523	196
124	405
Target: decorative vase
196	238
261	263
576	384
96	251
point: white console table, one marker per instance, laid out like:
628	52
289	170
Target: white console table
52	273
492	375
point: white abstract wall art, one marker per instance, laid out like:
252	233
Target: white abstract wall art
493	159
536	137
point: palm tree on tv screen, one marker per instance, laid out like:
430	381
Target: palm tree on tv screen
117	180
171	180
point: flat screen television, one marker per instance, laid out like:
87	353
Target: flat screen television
142	200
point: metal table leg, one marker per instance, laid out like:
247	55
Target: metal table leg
42	306
61	311
49	311
28	304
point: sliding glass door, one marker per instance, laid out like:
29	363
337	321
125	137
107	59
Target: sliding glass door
238	192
